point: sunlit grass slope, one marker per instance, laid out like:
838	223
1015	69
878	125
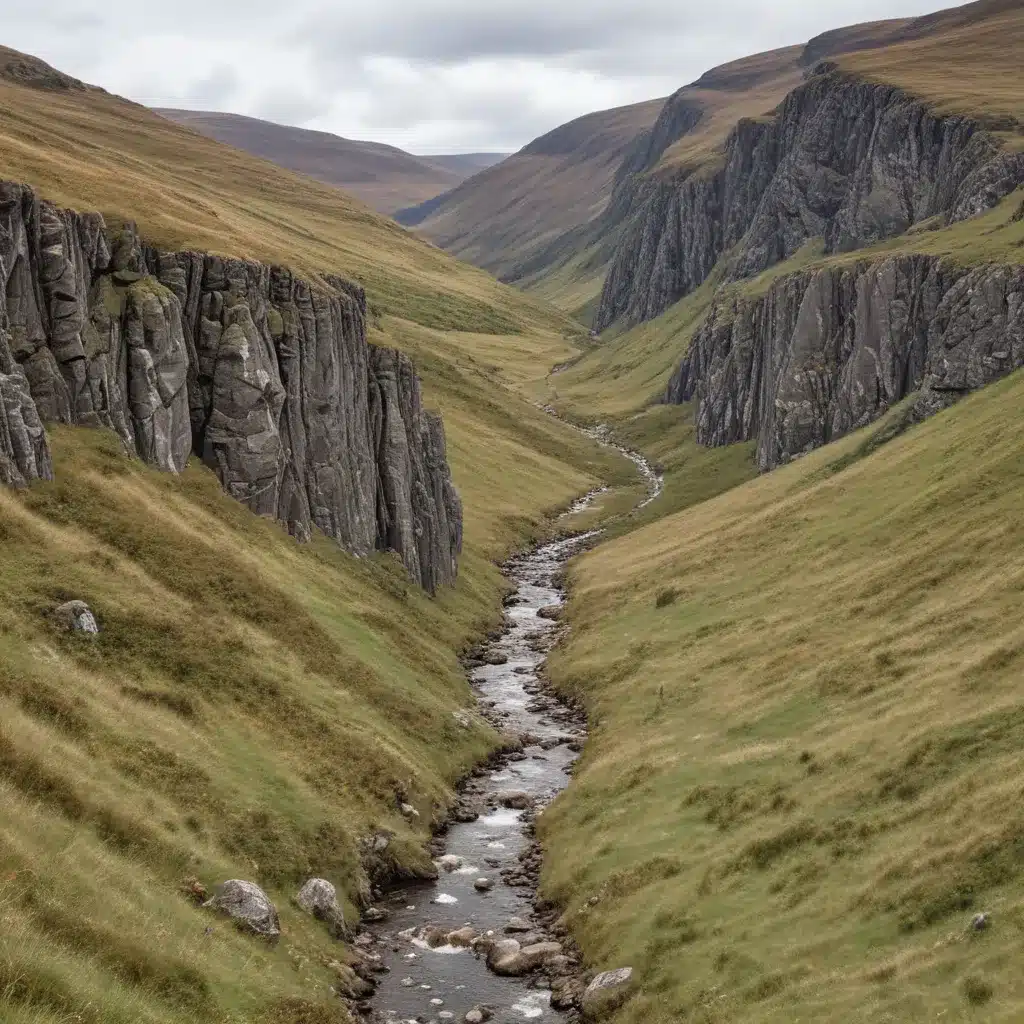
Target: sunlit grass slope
805	770
88	150
251	708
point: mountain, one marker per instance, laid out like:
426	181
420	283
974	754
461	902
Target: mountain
518	218
382	176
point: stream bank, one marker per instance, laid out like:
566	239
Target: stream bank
478	943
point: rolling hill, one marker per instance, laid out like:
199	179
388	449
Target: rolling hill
382	176
511	219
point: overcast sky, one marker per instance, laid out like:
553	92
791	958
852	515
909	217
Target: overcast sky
431	76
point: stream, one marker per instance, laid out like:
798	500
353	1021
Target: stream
488	865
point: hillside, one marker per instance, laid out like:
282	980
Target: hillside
252	707
518	218
384	177
804	771
186	191
801	276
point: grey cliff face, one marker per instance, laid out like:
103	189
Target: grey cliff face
841	159
826	352
268	380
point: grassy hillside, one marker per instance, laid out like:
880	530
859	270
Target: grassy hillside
505	218
86	149
804	772
384	177
252	707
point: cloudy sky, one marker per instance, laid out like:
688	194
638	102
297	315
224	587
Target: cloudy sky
431	76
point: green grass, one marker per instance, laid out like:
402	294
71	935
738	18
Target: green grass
804	771
252	707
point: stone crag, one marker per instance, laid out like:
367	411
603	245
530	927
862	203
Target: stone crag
824	352
841	159
265	377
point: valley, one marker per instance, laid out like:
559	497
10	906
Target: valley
622	628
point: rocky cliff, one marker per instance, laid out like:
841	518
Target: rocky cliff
840	159
267	379
825	352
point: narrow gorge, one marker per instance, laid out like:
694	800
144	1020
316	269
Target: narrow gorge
802	359
266	377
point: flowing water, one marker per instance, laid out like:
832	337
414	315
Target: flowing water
441	984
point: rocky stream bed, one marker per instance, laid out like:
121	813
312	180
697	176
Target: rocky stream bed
479	943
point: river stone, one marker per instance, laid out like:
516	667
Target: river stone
606	990
248	905
517	924
450	862
483	884
516	799
434	936
526	959
462	937
373	915
319	898
500	949
479	1015
76	617
550	611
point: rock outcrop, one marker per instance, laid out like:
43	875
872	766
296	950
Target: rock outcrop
264	376
248	906
822	353
841	159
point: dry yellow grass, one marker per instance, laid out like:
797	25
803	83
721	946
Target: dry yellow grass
804	775
967	60
89	150
252	706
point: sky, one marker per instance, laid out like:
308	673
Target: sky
429	76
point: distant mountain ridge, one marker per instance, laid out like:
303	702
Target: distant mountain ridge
382	176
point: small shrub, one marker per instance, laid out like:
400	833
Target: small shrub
666	597
977	991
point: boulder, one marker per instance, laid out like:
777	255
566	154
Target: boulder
500	949
450	862
515	799
606	991
248	906
76	617
462	937
409	812
479	1015
514	963
374	915
319	898
517	924
550	611
483	884
434	936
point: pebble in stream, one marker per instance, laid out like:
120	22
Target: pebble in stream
421	914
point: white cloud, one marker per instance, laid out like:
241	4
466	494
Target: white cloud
426	75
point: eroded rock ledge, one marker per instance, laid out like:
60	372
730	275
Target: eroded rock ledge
824	352
267	379
841	159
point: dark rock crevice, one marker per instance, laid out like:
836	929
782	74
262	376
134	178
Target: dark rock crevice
269	380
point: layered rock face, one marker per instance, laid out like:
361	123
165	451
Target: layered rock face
841	159
267	379
823	353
